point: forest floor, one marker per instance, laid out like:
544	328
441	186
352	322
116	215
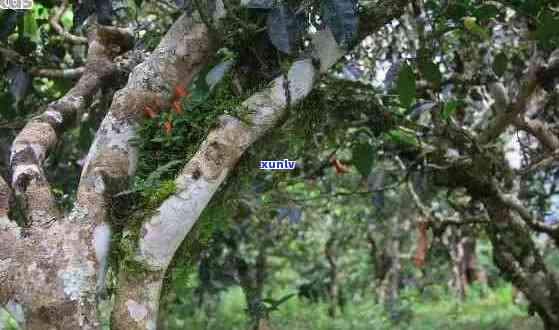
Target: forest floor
490	309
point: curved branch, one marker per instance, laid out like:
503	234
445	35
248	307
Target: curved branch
55	23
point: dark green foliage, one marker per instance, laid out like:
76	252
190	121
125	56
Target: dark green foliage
500	63
363	157
430	71
405	85
547	32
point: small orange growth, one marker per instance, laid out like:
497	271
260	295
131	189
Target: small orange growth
149	112
177	107
168	127
340	168
422	244
180	91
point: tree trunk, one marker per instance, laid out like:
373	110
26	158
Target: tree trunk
252	279
521	263
388	287
333	289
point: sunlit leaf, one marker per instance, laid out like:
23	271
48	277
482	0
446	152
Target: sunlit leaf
471	25
401	137
30	29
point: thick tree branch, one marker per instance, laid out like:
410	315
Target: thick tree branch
507	113
111	161
541	164
30	147
514	204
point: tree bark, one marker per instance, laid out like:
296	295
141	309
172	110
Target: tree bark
333	288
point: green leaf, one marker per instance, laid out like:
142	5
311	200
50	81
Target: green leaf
67	19
7	110
430	71
363	157
405	85
547	30
485	12
30	28
500	63
471	25
450	107
456	11
401	137
341	17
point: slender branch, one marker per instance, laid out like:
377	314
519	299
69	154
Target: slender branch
514	204
58	73
353	193
55	23
11	55
506	116
538	129
543	163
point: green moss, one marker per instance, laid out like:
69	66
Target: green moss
162	192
